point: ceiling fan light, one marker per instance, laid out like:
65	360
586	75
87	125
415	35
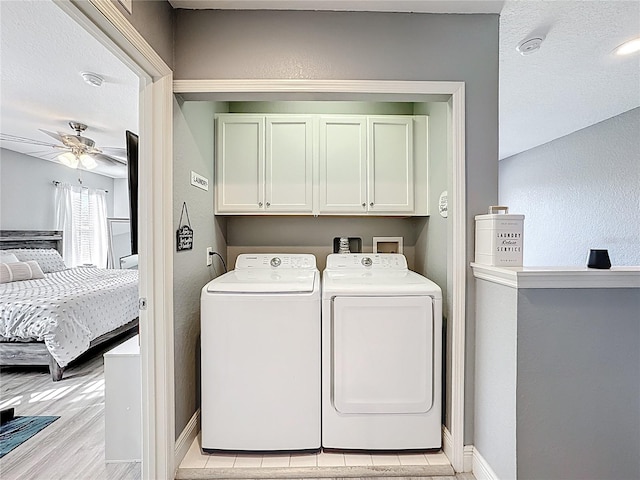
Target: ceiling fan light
627	48
88	161
68	159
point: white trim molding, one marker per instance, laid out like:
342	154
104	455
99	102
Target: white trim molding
468	458
559	277
458	240
187	437
481	469
318	86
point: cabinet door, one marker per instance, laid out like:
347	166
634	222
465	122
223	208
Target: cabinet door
390	167
343	165
289	164
240	163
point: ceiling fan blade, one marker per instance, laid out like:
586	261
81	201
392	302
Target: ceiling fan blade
108	159
115	151
49	154
13	138
58	136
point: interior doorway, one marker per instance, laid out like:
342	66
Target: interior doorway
453	93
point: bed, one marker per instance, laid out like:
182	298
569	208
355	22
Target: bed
53	320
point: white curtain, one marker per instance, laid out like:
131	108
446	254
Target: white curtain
81	214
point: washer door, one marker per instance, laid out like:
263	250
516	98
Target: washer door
382	354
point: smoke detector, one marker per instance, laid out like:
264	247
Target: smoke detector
529	46
92	79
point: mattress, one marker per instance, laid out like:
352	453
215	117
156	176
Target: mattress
68	309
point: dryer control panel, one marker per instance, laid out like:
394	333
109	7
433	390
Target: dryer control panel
275	261
367	261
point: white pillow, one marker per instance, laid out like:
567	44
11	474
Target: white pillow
8	258
19	271
49	259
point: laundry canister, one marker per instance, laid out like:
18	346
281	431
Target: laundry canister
499	238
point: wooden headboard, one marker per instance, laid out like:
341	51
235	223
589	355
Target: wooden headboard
31	239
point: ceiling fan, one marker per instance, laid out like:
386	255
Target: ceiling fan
75	150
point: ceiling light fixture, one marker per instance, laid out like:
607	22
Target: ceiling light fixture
529	46
92	79
75	158
627	48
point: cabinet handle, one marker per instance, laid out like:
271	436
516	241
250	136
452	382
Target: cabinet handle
268	204
259	204
364	205
371	204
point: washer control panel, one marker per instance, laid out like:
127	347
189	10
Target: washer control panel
275	261
367	261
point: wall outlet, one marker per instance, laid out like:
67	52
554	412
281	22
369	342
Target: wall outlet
209	256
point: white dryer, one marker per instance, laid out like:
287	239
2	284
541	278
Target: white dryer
260	343
381	355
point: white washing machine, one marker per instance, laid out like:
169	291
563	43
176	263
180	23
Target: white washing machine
260	343
381	355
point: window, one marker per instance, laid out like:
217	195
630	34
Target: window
82	216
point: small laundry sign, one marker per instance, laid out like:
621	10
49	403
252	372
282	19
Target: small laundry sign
184	234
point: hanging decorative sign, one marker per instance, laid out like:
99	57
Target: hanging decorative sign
184	233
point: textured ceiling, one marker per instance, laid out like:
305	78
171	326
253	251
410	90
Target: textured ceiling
574	80
43	52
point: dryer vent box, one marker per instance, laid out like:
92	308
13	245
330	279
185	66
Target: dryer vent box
499	240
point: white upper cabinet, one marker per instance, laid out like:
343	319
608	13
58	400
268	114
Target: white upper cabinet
390	165
289	164
240	164
343	165
321	164
366	165
264	164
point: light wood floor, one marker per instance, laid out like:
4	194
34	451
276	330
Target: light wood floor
72	447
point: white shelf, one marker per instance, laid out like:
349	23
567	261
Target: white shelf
559	277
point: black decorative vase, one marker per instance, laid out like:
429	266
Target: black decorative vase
599	259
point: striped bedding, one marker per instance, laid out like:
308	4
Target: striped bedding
68	309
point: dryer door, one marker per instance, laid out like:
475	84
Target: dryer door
382	354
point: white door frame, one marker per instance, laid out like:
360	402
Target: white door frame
453	438
109	26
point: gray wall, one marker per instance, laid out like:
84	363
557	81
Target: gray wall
579	192
154	20
121	198
27	194
378	46
578	384
193	150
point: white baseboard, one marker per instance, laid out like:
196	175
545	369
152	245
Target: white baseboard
447	443
186	438
467	459
481	469
447	448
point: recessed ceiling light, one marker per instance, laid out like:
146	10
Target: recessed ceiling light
529	46
627	48
92	79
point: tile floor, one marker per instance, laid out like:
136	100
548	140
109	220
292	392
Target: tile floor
197	460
